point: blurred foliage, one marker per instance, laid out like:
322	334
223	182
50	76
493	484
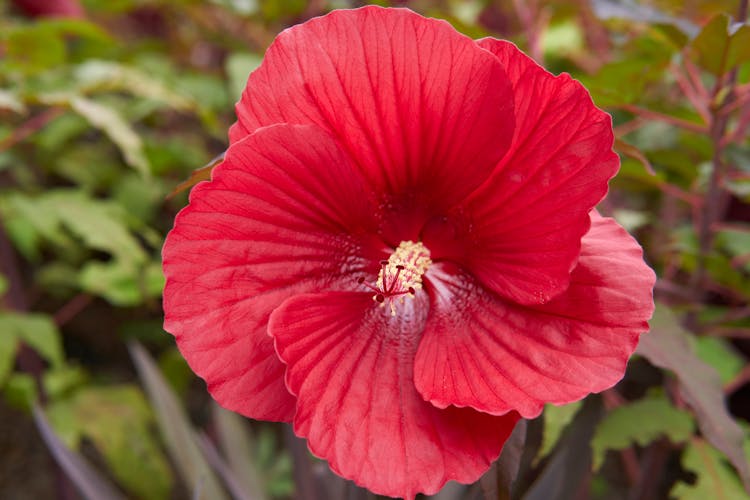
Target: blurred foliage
109	111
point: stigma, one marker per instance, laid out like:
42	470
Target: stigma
401	275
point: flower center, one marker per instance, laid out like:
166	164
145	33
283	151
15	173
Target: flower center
401	274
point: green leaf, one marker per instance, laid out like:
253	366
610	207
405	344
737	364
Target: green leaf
721	45
242	7
141	198
122	283
59	382
100	225
36	330
718	353
563	38
110	122
640	422
736	242
20	391
556	419
88	481
97	76
668	346
117	420
28	222
9	100
31	49
117	129
239	65
8	349
179	436
714	479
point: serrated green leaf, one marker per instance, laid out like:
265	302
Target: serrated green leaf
721	45
640	422
714	479
556	419
116	419
668	346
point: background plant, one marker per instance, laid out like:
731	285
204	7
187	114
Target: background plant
108	111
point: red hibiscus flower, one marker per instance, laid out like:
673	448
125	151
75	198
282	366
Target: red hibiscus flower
399	252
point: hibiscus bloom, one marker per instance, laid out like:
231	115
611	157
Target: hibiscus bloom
399	252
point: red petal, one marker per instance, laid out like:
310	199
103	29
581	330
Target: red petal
528	219
350	364
495	356
421	108
279	217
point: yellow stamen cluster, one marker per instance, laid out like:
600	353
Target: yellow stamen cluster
402	273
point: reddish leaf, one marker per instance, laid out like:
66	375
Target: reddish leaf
198	175
497	483
667	346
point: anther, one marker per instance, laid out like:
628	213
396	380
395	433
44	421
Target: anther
400	275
